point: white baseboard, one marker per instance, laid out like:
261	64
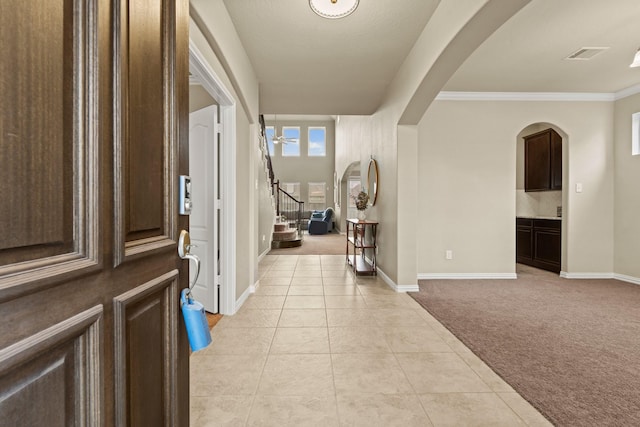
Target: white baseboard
566	275
393	285
251	289
263	254
459	276
628	279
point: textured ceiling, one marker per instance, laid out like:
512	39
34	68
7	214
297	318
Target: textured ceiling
527	53
310	65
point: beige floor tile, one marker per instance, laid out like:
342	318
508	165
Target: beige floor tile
331	259
375	289
239	341
306	290
368	373
304	318
307	267
402	410
524	410
294	301
469	409
407	339
251	318
336	267
487	375
344	274
297	375
293	411
264	301
275	281
271	290
342	290
300	341
337	281
307	273
386	301
440	373
357	340
398	317
226	374
285	274
362	317
306	281
283	267
344	301
210	411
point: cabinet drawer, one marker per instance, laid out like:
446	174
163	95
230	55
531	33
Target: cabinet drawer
548	224
524	222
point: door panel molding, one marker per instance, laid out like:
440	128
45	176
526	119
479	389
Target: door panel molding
34	259
136	234
70	349
155	300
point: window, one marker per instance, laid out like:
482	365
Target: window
317	193
635	134
293	188
317	142
270	132
291	148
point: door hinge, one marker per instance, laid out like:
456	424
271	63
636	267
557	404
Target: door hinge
218	204
219	128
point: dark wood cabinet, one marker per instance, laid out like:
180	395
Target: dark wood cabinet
539	243
543	161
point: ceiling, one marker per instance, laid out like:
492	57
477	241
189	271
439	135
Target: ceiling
527	53
309	65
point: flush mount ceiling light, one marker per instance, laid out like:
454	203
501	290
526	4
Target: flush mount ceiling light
333	9
636	60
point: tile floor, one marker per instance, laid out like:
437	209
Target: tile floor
315	346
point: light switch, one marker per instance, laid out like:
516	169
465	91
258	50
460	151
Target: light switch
578	187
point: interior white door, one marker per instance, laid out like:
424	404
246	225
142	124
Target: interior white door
204	219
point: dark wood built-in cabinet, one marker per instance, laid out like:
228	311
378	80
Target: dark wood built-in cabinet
543	161
539	243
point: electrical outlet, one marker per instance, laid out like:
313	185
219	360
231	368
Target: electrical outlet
448	254
263	238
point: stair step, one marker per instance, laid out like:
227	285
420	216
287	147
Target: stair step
288	234
280	227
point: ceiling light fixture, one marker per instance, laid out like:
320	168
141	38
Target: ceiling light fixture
636	60
333	9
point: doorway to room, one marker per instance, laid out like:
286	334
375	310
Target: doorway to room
541	159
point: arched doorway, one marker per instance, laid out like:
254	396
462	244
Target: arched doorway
541	154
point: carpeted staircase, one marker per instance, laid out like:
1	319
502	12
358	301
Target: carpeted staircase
285	237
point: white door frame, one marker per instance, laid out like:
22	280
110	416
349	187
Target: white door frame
202	73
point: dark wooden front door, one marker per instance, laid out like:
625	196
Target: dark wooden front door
93	136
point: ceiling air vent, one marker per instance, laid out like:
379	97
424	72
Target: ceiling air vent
585	53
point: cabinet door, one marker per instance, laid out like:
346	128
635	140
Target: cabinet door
537	161
524	244
556	160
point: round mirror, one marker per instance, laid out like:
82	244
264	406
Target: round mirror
372	181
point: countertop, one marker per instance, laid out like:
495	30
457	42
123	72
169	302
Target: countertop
539	217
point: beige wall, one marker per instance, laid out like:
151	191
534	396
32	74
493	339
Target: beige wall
627	194
305	169
245	139
467	178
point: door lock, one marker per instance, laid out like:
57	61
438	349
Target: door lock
184	248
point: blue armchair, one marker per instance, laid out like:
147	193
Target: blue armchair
321	224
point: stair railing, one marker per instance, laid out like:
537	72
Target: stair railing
288	208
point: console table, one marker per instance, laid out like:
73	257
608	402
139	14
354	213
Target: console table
361	235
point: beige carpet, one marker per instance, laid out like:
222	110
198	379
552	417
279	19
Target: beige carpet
326	244
570	347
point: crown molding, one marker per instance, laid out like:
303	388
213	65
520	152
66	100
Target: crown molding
538	96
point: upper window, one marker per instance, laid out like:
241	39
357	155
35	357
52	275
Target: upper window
635	134
317	142
270	132
291	148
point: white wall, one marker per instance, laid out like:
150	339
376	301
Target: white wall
627	194
467	177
